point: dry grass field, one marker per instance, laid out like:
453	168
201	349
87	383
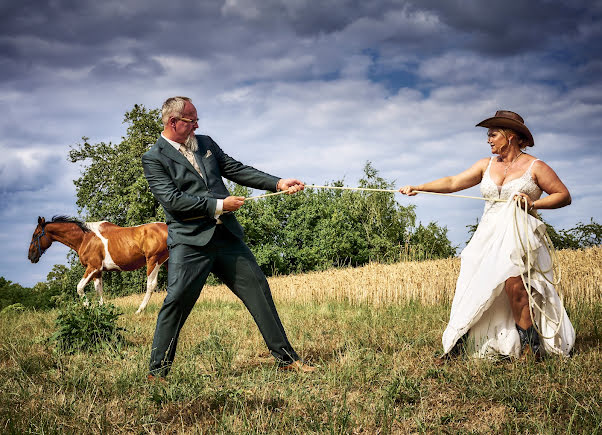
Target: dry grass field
426	282
372	331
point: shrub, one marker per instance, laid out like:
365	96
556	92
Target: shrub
87	328
14	308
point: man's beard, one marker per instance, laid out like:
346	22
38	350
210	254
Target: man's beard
191	143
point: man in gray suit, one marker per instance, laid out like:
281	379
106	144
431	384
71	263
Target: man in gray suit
184	172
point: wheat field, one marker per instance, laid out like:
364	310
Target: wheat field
429	282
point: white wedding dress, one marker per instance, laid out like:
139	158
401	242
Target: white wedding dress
480	306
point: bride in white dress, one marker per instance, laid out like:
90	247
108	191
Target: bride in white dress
490	313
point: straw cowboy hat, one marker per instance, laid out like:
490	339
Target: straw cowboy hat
508	119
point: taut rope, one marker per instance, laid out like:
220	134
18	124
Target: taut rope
375	190
526	249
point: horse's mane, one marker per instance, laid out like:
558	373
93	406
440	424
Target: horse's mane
67	219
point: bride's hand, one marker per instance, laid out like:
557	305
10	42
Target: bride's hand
522	197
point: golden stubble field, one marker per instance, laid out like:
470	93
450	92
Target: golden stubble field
427	282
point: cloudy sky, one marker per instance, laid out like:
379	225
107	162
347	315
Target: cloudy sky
310	89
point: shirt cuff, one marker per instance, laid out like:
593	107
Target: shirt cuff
219	208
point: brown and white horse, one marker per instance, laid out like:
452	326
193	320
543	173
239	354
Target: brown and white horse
103	246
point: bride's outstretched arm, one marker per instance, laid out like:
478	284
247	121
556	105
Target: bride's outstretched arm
468	178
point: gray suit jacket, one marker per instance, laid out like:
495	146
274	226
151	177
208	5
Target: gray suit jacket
190	200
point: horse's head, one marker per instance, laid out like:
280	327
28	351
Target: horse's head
40	241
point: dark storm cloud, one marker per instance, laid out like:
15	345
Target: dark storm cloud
123	39
138	65
36	37
507	28
308	18
87	23
493	28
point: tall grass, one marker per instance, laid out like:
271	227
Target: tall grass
375	358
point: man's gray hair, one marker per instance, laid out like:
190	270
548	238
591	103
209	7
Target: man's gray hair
173	106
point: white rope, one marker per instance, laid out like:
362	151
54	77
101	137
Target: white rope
376	190
322	187
533	305
519	201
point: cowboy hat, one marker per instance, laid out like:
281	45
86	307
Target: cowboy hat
508	119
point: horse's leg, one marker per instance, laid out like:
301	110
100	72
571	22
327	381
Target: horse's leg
88	274
152	274
98	287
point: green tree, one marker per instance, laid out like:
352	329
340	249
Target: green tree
63	279
323	228
386	224
11	293
430	242
587	235
40	297
112	187
579	237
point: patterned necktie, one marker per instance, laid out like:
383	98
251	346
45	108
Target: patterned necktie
190	157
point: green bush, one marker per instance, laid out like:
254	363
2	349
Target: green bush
14	308
579	237
40	297
324	228
87	328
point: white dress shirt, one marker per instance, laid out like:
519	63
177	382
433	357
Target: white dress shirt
219	209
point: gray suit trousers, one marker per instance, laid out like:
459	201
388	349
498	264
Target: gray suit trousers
229	258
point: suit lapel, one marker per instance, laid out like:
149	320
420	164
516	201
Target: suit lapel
199	160
169	151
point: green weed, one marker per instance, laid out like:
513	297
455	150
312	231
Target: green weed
87	328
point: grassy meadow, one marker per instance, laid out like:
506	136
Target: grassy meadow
372	331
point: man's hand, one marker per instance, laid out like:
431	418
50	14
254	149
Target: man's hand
290	184
233	203
408	190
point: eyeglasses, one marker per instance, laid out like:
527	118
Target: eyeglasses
190	121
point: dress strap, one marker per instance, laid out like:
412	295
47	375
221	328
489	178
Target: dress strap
531	165
486	173
489	165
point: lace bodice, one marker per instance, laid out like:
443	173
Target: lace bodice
523	184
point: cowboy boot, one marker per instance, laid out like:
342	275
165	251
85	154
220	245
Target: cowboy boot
522	334
530	337
454	352
534	342
459	347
